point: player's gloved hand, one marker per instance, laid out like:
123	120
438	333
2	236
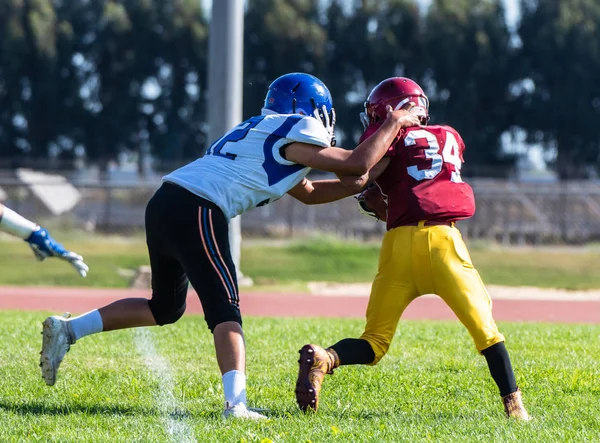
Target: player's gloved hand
364	209
372	203
323	117
44	246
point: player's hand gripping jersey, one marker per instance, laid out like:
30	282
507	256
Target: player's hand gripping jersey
423	181
245	168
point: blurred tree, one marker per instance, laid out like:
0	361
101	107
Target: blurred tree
107	78
279	37
102	78
344	55
469	69
368	43
110	65
31	78
39	71
174	97
560	90
143	65
12	43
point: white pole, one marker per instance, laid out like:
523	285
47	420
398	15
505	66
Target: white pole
225	74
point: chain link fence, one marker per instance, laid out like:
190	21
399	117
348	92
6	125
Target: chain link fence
508	212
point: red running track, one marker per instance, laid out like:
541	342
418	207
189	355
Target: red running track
76	300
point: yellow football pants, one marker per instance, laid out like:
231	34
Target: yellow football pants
417	260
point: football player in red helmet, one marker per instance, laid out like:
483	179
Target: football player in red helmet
397	92
422	251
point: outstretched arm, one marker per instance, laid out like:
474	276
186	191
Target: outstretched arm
357	183
321	191
325	191
12	223
364	157
40	241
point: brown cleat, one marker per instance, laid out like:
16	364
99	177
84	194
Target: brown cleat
513	406
314	363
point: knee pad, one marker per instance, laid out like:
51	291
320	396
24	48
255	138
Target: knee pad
214	320
165	316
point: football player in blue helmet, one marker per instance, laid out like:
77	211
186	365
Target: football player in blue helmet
187	232
305	94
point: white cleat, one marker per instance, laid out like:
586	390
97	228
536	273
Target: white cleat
57	340
241	411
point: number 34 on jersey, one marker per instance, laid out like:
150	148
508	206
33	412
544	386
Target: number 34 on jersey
429	166
422	180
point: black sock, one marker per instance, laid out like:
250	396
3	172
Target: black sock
354	351
500	367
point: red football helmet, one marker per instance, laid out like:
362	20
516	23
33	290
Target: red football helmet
396	92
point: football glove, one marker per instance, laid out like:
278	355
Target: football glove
364	209
323	116
372	203
44	246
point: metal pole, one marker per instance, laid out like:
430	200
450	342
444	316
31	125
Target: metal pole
225	72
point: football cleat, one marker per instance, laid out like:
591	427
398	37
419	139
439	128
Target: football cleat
57	340
241	411
314	363
513	406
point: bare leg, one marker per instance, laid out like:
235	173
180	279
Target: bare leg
230	347
231	356
127	313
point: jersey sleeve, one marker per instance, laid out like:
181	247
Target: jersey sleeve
311	131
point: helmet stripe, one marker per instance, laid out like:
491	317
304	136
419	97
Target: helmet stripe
402	103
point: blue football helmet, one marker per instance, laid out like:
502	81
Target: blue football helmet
300	93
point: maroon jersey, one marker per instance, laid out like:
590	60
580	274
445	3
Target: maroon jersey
422	181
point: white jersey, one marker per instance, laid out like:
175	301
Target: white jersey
245	168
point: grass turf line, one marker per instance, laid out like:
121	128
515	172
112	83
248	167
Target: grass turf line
432	386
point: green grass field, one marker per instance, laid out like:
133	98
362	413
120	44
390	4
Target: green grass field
291	265
432	386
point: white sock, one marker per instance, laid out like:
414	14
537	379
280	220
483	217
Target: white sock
234	387
86	324
15	224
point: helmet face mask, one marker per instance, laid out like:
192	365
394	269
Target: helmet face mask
300	93
399	93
